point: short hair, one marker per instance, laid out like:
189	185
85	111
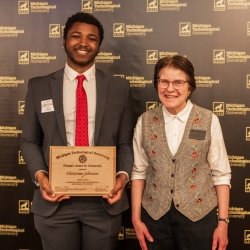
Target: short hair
177	62
83	18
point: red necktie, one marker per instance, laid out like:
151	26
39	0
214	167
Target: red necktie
81	136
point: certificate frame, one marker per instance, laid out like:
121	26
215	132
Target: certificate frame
82	171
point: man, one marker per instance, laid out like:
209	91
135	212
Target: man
77	223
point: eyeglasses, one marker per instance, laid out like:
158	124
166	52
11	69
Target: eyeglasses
177	84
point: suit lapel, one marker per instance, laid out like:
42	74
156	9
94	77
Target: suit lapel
101	98
56	85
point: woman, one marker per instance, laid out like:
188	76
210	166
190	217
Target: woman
181	174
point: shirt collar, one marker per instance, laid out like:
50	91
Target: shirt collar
182	116
72	74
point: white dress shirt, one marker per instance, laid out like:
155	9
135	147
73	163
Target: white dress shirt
174	129
69	102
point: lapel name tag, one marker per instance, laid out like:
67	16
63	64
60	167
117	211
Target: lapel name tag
47	106
197	134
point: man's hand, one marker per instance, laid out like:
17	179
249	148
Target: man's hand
116	193
46	190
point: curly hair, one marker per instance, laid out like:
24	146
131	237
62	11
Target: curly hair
83	18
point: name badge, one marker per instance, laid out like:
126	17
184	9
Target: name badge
47	106
197	134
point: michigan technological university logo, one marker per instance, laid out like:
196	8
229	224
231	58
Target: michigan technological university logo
219	108
23	7
219	56
54	31
118	30
87	6
152	56
152	5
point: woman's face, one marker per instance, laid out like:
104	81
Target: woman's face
173	95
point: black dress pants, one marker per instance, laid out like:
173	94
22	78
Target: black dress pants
174	231
80	223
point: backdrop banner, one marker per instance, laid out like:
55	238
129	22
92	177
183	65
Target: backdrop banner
213	34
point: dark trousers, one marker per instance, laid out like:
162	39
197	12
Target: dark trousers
79	224
174	231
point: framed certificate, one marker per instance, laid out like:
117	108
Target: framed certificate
82	171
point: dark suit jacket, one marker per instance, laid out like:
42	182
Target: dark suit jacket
113	127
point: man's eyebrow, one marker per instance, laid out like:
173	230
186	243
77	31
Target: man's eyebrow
72	32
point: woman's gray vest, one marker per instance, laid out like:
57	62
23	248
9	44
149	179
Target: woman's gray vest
184	178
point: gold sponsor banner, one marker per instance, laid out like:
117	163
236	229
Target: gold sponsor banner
82	171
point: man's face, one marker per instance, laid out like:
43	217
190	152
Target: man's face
82	45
